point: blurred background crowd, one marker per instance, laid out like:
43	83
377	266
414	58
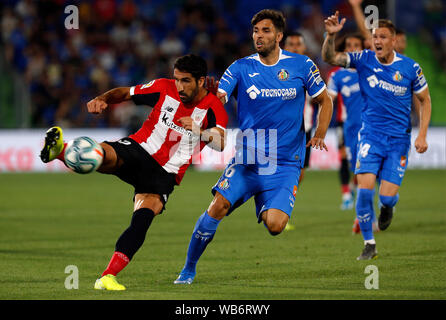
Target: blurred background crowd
49	73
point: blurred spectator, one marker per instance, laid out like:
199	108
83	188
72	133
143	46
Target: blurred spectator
125	42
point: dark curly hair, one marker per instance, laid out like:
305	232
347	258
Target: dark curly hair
193	64
275	16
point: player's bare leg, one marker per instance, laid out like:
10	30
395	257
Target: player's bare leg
275	220
149	201
111	161
388	196
146	207
219	207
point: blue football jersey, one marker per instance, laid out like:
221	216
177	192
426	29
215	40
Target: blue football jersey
387	90
346	82
270	102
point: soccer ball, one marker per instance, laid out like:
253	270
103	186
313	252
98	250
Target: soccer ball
83	155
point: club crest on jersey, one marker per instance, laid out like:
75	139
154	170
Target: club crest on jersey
397	76
283	75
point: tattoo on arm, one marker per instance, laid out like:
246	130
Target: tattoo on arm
330	55
341	59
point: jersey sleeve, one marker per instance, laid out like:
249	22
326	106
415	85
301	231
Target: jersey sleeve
149	93
313	80
229	79
419	83
355	59
216	116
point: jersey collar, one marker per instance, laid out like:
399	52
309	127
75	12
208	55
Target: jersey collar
281	57
395	59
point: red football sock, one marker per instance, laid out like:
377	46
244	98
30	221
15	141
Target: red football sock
117	262
345	188
61	155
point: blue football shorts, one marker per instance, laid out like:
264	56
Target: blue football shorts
239	182
382	155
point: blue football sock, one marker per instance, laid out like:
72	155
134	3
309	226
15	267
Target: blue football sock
365	212
204	232
389	201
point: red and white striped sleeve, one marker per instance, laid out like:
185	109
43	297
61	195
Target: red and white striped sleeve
149	93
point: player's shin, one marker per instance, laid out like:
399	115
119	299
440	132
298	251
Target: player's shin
203	233
365	213
130	240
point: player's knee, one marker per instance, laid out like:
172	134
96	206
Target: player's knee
111	160
389	201
276	224
149	201
275	228
219	207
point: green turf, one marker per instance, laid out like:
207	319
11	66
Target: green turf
50	221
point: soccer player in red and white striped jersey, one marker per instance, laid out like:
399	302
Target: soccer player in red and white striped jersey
165	139
185	118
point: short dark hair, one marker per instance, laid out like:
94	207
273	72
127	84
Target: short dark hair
275	16
400	31
384	23
293	34
193	64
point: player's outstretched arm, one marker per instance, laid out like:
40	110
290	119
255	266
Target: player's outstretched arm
323	120
213	137
360	19
116	95
329	54
425	117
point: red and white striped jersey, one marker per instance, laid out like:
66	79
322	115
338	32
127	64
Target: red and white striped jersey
162	136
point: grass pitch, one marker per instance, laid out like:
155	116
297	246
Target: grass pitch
51	221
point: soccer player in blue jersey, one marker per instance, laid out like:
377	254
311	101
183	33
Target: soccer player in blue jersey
344	82
387	80
270	149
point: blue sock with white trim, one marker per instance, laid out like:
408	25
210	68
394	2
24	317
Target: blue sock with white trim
204	232
365	212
